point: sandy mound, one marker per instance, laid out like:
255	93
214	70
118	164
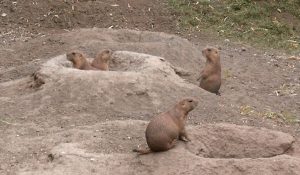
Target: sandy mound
150	82
135	79
106	148
231	141
68	121
178	51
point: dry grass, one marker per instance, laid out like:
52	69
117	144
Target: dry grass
271	23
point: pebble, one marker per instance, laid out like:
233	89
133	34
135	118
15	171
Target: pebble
294	58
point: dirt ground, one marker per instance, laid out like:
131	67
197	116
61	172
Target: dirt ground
40	126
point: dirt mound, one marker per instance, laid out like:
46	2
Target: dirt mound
147	81
232	141
135	79
93	150
55	110
178	51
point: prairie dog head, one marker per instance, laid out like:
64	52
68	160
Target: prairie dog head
187	104
211	54
104	55
76	58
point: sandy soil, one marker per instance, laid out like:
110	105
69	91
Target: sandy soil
79	123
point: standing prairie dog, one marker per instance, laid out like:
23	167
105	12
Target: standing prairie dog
210	78
165	129
79	61
102	60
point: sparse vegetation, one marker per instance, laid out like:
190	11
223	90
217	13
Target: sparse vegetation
288	89
227	73
272	23
283	116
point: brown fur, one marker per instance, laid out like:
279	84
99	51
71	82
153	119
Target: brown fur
165	129
102	60
79	61
210	78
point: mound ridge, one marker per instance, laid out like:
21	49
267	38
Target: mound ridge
178	51
135	79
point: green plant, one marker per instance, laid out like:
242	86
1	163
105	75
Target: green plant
273	23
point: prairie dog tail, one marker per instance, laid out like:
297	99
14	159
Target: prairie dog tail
142	151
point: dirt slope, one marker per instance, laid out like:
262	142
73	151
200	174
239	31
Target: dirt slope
71	98
259	89
94	156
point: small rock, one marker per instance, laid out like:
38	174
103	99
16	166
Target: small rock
162	59
227	40
243	49
3	14
294	58
278	10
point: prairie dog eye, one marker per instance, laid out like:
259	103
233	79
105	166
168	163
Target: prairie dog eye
209	49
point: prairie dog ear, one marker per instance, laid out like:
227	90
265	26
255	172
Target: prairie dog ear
106	51
217	51
183	104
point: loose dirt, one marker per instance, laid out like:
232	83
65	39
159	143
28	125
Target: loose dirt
81	122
